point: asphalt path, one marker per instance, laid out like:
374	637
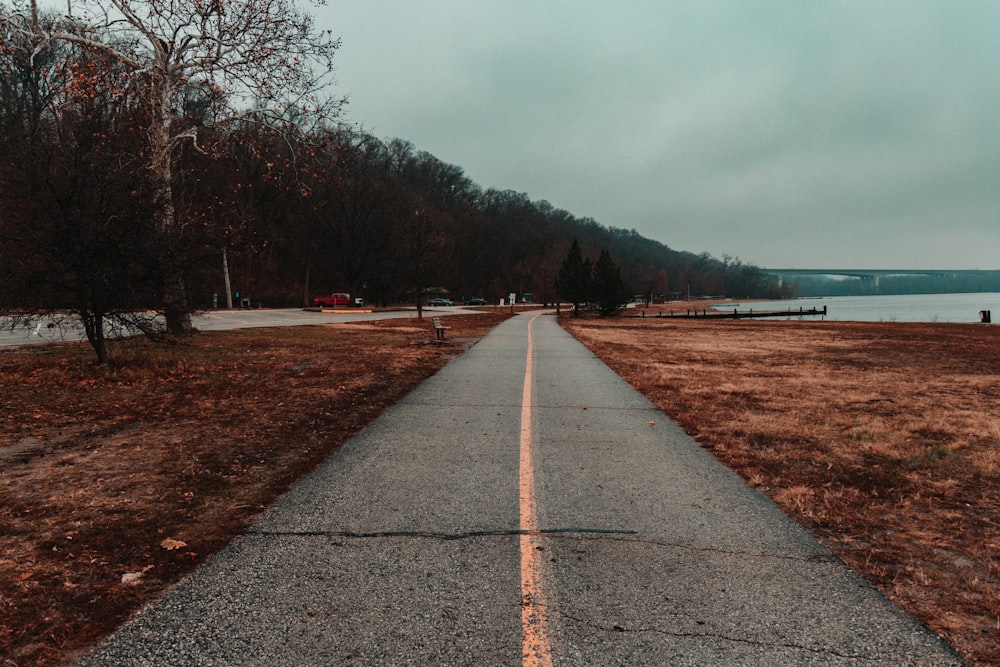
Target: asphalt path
523	506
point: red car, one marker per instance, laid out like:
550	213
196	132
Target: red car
335	299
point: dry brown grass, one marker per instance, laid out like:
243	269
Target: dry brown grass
148	469
883	439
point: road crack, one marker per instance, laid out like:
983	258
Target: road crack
347	534
616	628
613	535
618	535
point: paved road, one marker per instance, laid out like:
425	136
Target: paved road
524	506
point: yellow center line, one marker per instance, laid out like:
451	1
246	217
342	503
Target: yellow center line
536	650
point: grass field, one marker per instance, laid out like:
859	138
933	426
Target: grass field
115	483
883	439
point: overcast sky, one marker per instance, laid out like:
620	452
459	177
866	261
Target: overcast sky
789	133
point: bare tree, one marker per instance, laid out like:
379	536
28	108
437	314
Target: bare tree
75	230
249	57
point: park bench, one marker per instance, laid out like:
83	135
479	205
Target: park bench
439	328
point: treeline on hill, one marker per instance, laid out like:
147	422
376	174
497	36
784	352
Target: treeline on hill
100	220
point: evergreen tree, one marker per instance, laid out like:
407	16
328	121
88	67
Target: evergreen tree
610	291
575	280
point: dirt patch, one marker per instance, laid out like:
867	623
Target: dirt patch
883	439
115	483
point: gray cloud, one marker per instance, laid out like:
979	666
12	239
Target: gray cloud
847	134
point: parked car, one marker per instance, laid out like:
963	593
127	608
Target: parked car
476	302
335	299
441	302
359	301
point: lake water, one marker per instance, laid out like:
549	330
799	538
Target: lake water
894	307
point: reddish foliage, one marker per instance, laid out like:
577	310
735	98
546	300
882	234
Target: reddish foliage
106	472
883	439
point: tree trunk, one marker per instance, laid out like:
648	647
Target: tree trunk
176	309
307	277
93	326
225	275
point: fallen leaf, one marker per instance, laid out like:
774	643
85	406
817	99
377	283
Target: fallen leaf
170	544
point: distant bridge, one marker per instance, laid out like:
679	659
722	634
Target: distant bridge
870	277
